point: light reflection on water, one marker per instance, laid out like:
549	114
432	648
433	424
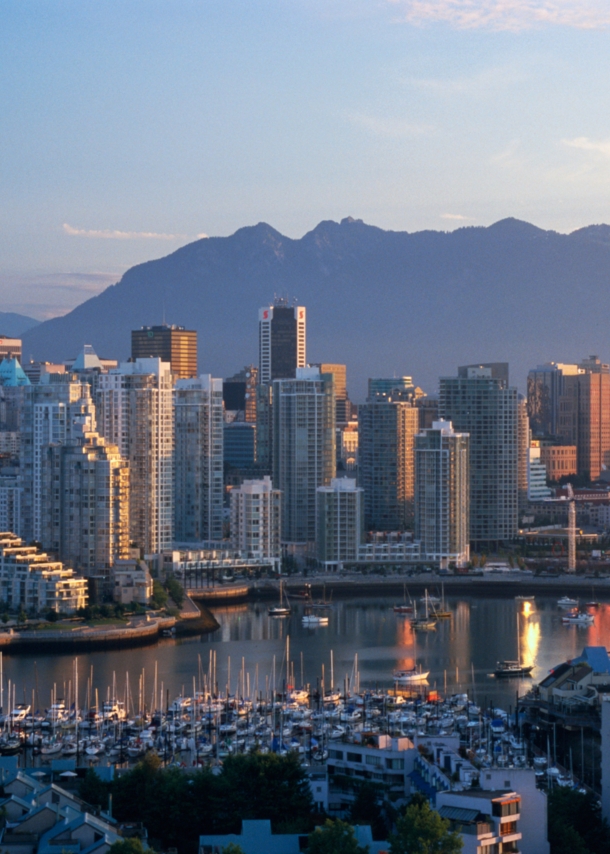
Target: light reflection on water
482	631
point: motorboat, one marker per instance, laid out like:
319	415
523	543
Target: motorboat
523	598
512	668
312	620
567	602
408	677
578	619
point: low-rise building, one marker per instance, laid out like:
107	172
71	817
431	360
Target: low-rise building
487	821
30	580
132	582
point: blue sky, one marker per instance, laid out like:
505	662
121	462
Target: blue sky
129	128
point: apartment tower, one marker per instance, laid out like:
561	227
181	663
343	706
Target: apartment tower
281	340
303	449
442	494
173	344
479	402
199	490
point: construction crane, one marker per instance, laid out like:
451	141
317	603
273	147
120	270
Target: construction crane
571	529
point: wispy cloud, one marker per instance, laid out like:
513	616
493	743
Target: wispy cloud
459	217
598	146
113	234
488	80
388	127
508	157
512	15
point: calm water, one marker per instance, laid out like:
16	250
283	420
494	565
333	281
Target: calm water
482	631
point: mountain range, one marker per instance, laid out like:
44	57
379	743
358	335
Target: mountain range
13	325
384	302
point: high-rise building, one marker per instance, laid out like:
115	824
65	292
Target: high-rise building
387	425
340	522
484	406
264	428
343	409
303	449
537	489
256	513
135	412
239	392
173	344
523	444
199	485
593	418
51	410
546	386
281	341
442	494
386	385
85	516
239	444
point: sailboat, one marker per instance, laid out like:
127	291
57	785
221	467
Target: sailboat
405	607
443	613
513	668
426	623
323	604
411	675
283	609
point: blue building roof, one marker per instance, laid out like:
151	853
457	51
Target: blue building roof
12	374
596	657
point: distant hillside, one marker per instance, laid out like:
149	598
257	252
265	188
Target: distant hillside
383	302
14	325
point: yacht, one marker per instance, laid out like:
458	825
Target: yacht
566	602
408	677
512	668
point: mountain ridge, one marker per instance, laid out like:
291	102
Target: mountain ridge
383	302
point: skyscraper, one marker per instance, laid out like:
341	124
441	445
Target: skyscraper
85	514
303	449
281	340
546	386
387	426
50	412
484	406
442	494
173	344
593	418
342	404
199	485
135	412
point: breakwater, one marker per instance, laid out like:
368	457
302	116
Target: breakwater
79	638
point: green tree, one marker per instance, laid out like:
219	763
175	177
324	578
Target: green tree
368	808
132	845
93	790
159	597
421	830
232	848
575	820
175	589
335	837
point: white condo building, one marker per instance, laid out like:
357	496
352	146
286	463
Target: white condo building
135	412
442	494
340	522
198	457
256	514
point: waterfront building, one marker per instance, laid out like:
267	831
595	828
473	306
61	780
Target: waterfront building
239	393
51	409
131	582
135	412
442	499
339	522
30	580
537	490
199	484
390	548
85	514
304	455
10	348
256	520
173	344
281	340
387	426
483	405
